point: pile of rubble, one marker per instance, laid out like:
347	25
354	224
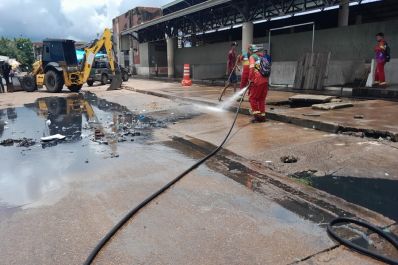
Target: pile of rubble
23	142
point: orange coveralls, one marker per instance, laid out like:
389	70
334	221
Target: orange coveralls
258	87
244	59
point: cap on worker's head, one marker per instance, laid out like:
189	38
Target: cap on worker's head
234	44
254	48
380	34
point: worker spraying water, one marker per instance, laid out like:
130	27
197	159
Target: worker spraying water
260	70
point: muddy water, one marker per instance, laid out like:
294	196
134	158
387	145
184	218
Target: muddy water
95	130
379	195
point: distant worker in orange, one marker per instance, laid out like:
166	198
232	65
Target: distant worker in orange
244	60
382	51
259	72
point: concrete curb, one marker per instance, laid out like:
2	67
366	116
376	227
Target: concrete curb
329	127
382	93
331	204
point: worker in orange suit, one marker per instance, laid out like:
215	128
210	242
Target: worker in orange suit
382	56
258	85
244	60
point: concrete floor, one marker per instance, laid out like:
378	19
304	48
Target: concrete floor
56	203
379	118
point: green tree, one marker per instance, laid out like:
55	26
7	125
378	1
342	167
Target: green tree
19	48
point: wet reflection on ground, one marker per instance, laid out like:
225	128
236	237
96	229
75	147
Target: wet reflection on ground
94	130
379	195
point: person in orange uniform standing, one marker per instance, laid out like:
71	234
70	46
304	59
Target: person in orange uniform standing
382	56
244	60
258	85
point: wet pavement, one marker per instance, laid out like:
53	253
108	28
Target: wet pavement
57	200
379	195
378	118
334	163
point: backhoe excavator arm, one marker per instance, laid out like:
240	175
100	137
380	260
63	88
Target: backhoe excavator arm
90	52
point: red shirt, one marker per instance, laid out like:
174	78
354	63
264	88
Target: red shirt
231	59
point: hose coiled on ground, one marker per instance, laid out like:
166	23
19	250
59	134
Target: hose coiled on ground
358	248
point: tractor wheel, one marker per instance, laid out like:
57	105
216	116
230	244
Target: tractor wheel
28	83
90	82
54	81
104	79
75	88
125	76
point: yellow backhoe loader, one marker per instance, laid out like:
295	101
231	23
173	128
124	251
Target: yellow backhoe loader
59	65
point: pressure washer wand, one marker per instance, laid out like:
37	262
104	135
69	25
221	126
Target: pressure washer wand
228	83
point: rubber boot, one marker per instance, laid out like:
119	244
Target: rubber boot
258	118
261	118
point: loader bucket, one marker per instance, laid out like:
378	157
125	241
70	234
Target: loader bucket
116	81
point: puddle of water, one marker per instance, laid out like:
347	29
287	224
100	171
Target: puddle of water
379	195
75	117
95	130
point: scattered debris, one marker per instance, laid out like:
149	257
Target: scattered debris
98	134
308	98
114	155
312	114
332	105
23	142
356	134
7	142
26	142
53	137
45	145
289	159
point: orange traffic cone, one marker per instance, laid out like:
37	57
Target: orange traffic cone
186	81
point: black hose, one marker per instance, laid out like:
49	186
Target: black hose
358	248
134	211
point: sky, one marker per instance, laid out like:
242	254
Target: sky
73	19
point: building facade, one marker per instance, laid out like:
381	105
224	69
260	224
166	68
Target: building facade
200	32
127	46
